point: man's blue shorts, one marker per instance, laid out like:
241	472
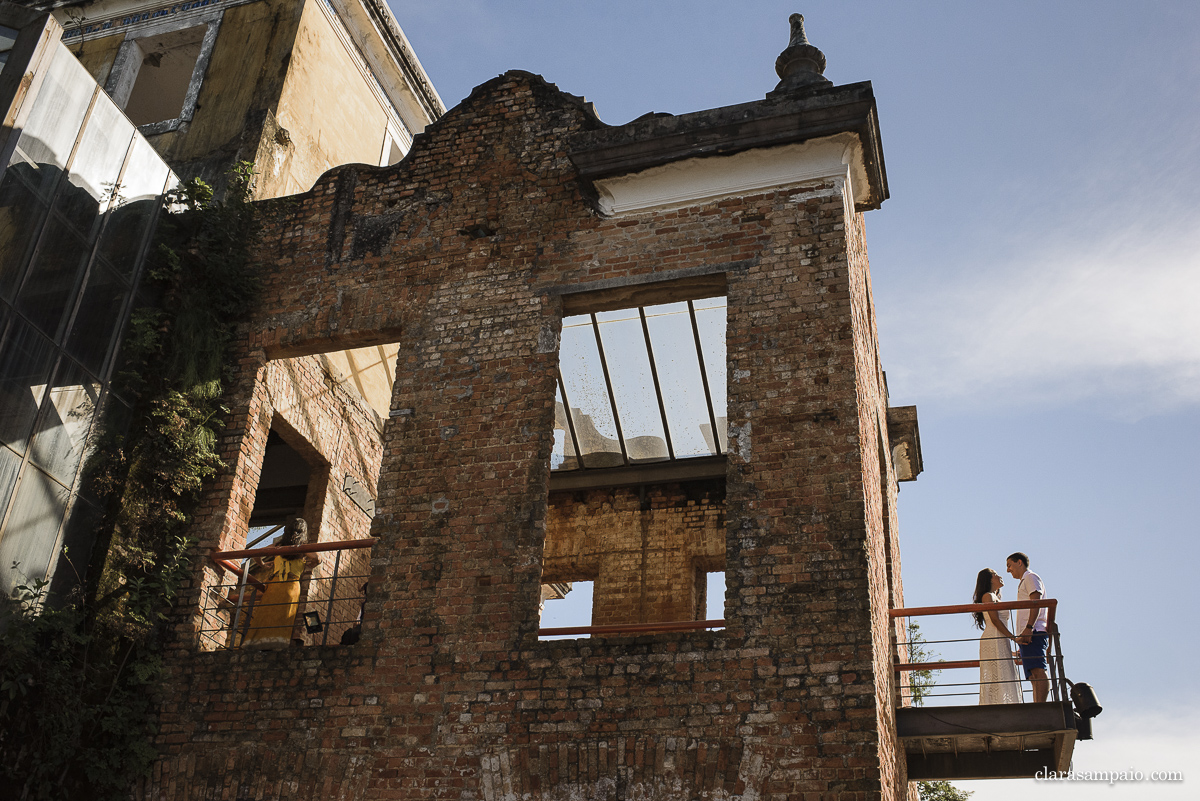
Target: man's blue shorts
1033	655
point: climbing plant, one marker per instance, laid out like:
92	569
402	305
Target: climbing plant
78	673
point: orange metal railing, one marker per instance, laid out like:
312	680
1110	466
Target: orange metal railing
633	628
232	605
1054	657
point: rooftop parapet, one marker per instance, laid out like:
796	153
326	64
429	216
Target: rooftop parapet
805	107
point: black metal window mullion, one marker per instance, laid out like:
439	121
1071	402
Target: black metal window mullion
712	417
562	387
662	407
612	400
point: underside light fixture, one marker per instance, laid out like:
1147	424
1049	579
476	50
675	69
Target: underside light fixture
1087	706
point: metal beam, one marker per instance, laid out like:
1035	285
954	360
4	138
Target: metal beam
1000	720
980	765
616	294
693	469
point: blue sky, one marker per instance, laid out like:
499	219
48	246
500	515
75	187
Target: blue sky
1036	273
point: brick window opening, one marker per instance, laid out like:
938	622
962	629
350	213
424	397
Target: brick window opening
321	459
567	604
641	385
284	482
637	491
714	595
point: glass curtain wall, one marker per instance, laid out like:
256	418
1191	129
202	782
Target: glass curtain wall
78	200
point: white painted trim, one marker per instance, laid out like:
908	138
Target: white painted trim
697	181
382	63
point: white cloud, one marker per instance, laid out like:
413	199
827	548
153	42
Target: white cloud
1116	319
1145	742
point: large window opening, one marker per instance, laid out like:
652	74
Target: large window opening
641	385
321	461
637	489
165	71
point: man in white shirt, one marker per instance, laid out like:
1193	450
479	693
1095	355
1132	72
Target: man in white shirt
1032	637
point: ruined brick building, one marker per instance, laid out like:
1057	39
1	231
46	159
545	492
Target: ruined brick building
294	86
518	226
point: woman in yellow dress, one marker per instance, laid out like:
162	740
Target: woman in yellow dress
275	610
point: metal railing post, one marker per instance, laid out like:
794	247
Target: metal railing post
1062	673
237	614
337	561
1050	657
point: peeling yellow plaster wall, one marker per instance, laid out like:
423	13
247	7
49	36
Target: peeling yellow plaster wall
96	55
240	91
327	107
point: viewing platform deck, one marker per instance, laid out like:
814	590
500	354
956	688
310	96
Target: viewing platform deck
992	741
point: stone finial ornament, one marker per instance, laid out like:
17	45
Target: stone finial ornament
801	65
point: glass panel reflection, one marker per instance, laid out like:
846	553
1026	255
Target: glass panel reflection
563	456
633	385
62	432
31	530
97	165
678	365
133	207
710	321
587	394
58	111
21	215
53	277
26	358
79	535
8	38
10	465
96	321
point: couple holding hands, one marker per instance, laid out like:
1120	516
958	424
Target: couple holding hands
998	681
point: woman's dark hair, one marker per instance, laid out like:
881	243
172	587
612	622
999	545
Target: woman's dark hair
296	532
983	585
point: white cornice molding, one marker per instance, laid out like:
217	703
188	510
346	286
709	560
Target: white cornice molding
696	181
386	57
141	17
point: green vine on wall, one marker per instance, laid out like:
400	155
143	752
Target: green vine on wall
78	674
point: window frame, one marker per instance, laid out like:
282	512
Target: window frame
128	63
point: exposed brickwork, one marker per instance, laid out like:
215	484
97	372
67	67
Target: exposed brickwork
648	552
450	694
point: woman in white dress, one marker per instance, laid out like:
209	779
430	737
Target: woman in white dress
998	681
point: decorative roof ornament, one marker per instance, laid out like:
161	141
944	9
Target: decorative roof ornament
801	65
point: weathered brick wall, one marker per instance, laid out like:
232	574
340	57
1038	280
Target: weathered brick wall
882	548
450	694
646	550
